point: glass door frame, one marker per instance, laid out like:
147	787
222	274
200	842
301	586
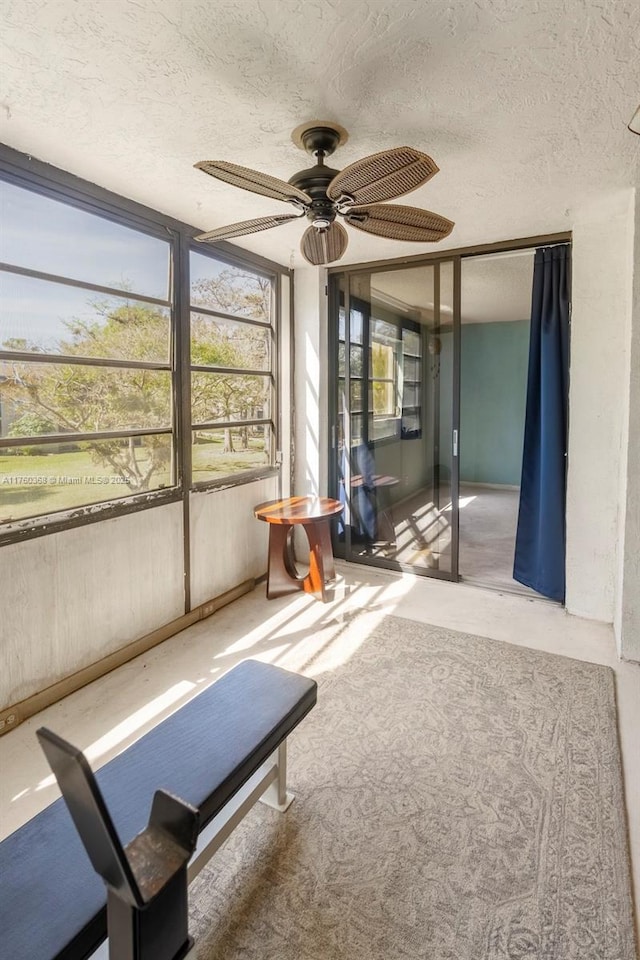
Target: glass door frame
344	550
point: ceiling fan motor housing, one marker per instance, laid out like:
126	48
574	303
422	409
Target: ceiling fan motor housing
314	181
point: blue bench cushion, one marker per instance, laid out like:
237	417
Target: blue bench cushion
53	904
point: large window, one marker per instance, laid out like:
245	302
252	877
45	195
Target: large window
411	383
85	358
98	411
356	369
386	393
384	379
232	382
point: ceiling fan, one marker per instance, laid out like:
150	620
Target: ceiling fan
321	194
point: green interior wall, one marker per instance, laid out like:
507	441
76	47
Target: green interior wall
493	388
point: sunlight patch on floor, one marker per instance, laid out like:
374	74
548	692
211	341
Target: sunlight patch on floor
123	730
462	502
305	634
270	627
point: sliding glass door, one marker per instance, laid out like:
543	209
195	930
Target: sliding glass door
394	346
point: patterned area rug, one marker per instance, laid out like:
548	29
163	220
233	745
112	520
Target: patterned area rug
457	798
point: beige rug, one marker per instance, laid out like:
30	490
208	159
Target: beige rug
457	798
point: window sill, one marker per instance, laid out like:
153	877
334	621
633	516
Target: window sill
31	527
235	480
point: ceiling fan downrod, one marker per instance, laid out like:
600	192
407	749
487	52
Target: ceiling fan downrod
319	140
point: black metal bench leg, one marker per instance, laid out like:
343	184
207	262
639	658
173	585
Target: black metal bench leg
159	930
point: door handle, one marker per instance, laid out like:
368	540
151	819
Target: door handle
455	443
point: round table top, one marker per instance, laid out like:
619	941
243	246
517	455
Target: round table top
298	509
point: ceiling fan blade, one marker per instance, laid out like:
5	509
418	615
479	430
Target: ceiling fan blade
324	246
253	180
247	226
382	176
398	222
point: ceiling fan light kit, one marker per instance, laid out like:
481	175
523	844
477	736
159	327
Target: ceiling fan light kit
357	193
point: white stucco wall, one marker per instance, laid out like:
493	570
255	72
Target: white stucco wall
228	544
71	598
598	402
311	382
287	400
627	613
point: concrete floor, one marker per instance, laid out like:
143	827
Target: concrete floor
488	522
298	632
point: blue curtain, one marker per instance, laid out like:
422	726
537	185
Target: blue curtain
540	539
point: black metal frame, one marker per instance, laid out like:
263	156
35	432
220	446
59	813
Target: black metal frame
413	327
27	172
501	246
273	325
335	275
365	411
344	273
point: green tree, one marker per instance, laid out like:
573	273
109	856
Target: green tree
45	398
236	292
383	379
70	398
225	343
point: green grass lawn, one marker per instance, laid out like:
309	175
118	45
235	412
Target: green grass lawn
33	486
208	460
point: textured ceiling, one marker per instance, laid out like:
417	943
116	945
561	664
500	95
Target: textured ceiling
522	103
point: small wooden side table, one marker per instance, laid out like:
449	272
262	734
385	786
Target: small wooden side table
314	514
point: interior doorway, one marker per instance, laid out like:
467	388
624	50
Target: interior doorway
495	326
430	369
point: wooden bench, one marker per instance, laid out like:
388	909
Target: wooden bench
220	752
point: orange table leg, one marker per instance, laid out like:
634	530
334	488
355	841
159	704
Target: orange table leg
321	565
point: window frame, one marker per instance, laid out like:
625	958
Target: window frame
365	412
416	409
356	306
41	178
266	470
392	383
